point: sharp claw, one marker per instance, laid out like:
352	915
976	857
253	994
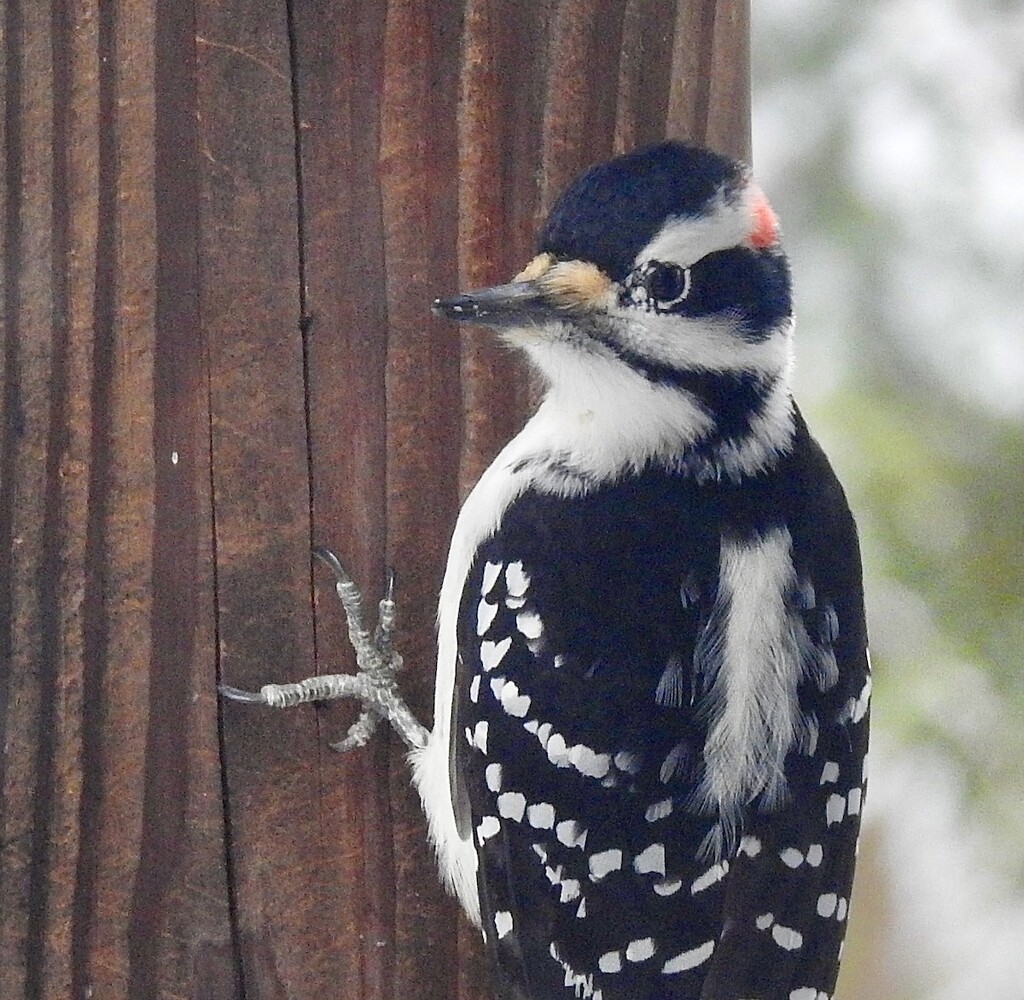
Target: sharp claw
331	561
324	554
237	694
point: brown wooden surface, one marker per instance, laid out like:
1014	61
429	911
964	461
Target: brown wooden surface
174	439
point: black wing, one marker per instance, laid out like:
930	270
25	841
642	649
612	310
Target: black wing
584	633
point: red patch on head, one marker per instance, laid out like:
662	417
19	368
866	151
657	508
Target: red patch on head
764	230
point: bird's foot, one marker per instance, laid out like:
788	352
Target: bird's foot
375	682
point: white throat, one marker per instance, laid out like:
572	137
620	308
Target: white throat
601	419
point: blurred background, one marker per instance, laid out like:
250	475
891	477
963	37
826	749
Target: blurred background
889	136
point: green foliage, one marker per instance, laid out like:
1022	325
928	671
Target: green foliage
939	494
889	136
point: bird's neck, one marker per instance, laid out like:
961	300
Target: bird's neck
600	421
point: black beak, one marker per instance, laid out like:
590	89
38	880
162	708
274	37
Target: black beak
500	305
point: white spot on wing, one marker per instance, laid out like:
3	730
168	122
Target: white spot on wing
827	903
516	580
627	761
529	624
668	887
787	938
480	736
492	775
856	708
659	810
610	961
513	702
640	950
714	874
835	809
492	653
581	984
853	801
829	773
541	815
589	763
689	959
491	571
570	890
791	857
485	612
814	855
502	922
750	846
764	921
512	805
605	862
474	688
650	859
558	752
571	833
488	827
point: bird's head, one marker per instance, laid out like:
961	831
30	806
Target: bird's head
658	274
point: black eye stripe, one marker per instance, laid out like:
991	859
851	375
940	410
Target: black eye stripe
750	285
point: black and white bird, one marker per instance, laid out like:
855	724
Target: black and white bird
646	770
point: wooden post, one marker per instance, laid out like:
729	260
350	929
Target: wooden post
223	223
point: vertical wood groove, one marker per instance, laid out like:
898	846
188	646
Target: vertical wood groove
28	777
175	527
418	149
305	319
95	623
74	47
187	184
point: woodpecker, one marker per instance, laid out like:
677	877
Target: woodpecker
647	765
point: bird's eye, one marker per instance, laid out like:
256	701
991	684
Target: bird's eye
657	285
666	283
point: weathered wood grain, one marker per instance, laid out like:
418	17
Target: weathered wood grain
223	223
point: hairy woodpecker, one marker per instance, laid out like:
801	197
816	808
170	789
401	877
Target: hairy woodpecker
646	771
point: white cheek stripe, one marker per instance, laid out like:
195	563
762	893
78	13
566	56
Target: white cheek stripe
711	344
684	240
